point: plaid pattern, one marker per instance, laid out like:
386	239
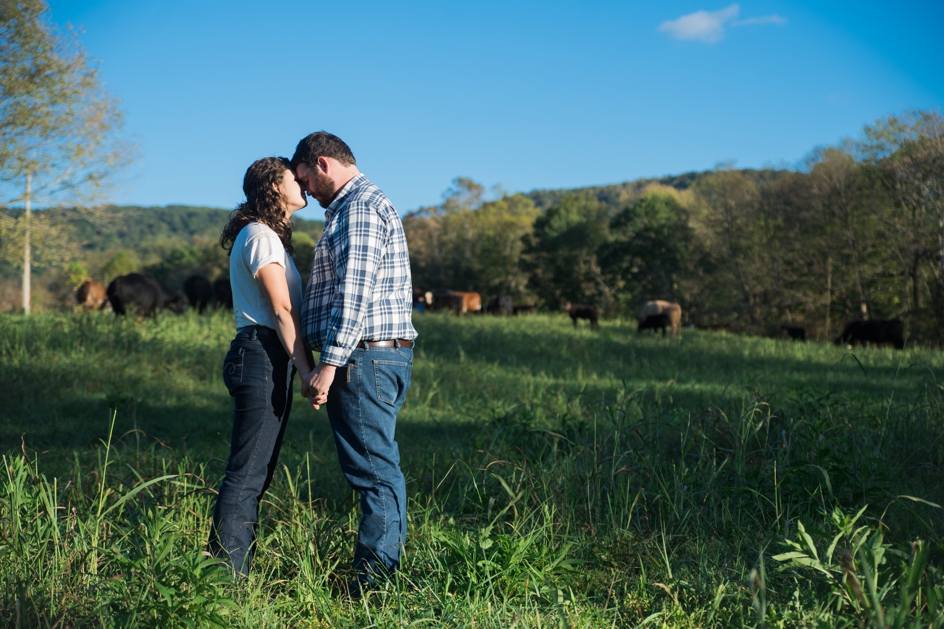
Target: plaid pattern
360	287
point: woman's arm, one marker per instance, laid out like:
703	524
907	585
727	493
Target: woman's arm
271	280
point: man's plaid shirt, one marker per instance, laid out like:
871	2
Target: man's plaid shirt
360	287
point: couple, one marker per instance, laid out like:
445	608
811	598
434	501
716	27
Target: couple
355	313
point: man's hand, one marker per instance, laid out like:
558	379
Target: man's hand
319	382
307	392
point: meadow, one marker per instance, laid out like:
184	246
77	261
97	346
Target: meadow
557	477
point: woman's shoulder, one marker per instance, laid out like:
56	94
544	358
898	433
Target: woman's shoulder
256	231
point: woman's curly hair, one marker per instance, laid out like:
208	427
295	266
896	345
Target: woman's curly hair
263	203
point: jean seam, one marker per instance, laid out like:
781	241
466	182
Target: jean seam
370	459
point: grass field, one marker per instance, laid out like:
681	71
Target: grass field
557	478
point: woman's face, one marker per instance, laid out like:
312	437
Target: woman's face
293	196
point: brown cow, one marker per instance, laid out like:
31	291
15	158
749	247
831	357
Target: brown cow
658	307
91	295
471	302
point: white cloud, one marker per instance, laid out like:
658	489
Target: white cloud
766	19
709	26
706	26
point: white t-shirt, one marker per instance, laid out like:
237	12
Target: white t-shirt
255	247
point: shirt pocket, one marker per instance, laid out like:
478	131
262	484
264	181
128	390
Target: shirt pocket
392	379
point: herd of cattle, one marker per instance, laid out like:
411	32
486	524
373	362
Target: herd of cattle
146	296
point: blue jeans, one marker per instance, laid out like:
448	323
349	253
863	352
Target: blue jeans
362	407
258	373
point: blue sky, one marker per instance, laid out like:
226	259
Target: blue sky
523	95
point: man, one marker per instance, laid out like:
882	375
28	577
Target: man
356	313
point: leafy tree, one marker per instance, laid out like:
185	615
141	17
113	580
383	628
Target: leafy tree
58	127
122	263
562	253
651	242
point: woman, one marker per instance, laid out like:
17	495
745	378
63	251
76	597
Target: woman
267	350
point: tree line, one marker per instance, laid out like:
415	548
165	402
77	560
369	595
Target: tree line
856	233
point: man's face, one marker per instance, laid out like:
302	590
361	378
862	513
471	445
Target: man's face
316	182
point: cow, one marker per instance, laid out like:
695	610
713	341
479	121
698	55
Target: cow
522	310
583	311
877	332
501	305
658	307
654	322
92	295
471	302
223	292
796	334
144	295
456	302
199	292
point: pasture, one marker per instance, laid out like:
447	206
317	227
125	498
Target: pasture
557	478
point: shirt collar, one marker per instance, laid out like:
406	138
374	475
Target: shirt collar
342	194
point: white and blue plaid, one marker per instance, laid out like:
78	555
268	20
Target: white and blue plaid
360	287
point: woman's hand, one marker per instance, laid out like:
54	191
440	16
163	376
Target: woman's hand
315	400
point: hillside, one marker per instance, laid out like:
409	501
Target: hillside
131	227
616	196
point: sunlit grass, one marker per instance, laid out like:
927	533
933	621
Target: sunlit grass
557	477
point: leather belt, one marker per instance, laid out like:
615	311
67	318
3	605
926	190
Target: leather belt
393	343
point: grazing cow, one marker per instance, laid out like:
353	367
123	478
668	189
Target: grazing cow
658	307
797	334
501	305
223	291
199	292
457	302
654	322
582	311
92	295
522	310
471	302
144	294
877	332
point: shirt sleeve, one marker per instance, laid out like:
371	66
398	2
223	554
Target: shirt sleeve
261	250
358	253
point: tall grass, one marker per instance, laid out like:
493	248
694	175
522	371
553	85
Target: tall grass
557	477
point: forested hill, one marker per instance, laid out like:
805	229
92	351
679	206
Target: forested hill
130	227
617	196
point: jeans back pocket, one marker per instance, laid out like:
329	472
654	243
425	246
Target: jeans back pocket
392	378
233	368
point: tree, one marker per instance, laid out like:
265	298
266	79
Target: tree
58	127
562	252
650	243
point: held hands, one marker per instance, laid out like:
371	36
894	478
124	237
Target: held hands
316	385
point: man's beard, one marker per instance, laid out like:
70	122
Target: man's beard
324	189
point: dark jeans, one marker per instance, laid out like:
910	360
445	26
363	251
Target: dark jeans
258	373
362	406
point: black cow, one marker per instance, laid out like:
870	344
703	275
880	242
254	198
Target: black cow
797	334
444	300
199	292
522	310
501	305
877	332
223	291
582	311
654	322
144	295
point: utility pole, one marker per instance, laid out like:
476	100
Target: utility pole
27	296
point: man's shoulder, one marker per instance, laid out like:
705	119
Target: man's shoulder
367	193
